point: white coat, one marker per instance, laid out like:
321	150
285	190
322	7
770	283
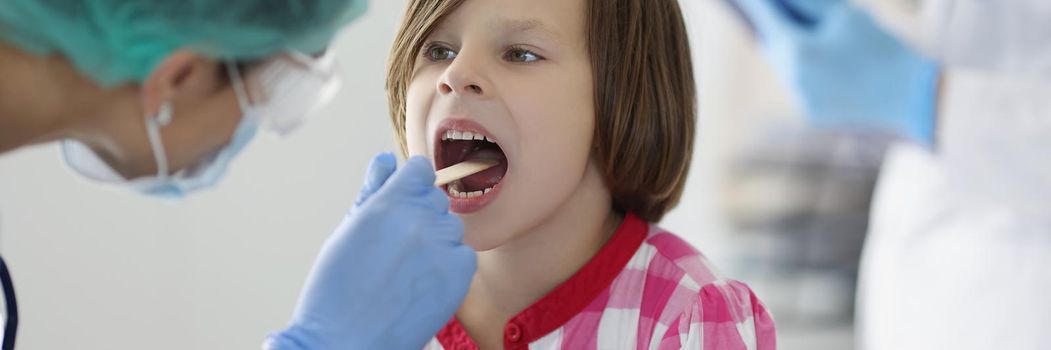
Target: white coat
959	248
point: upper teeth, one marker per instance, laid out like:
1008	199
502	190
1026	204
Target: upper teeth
464	135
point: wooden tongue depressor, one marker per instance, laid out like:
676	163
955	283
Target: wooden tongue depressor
463	170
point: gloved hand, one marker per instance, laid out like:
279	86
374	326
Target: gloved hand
392	274
843	68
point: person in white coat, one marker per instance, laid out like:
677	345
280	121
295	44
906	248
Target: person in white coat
959	244
959	252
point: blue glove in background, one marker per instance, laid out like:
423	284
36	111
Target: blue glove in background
843	68
392	274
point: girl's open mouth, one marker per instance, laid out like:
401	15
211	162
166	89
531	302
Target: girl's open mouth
463	140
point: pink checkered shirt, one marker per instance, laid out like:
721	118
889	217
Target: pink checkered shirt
645	289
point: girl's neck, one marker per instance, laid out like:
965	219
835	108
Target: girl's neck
516	274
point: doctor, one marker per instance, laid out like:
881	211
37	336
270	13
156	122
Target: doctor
959	248
159	96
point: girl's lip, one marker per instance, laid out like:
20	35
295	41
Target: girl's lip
469	205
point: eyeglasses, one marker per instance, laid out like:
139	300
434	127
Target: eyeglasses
288	88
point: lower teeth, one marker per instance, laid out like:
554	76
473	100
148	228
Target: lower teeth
454	192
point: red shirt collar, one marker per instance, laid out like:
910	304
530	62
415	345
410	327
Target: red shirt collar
565	301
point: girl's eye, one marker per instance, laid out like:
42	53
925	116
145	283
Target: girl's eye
436	52
520	55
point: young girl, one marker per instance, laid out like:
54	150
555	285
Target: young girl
588	107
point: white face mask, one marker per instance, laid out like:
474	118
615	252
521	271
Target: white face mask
1008	36
288	88
205	173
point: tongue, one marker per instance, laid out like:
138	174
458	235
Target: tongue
486	178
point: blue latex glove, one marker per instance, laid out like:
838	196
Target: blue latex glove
844	69
392	274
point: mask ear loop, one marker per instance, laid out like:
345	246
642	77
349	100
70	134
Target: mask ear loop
153	131
164	117
240	88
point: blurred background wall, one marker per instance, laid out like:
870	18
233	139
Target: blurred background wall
99	268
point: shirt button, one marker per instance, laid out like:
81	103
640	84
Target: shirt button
513	333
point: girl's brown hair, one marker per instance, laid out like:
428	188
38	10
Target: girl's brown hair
645	100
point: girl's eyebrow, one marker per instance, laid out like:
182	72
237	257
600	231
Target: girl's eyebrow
529	25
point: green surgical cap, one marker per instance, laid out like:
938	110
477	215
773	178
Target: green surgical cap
116	41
